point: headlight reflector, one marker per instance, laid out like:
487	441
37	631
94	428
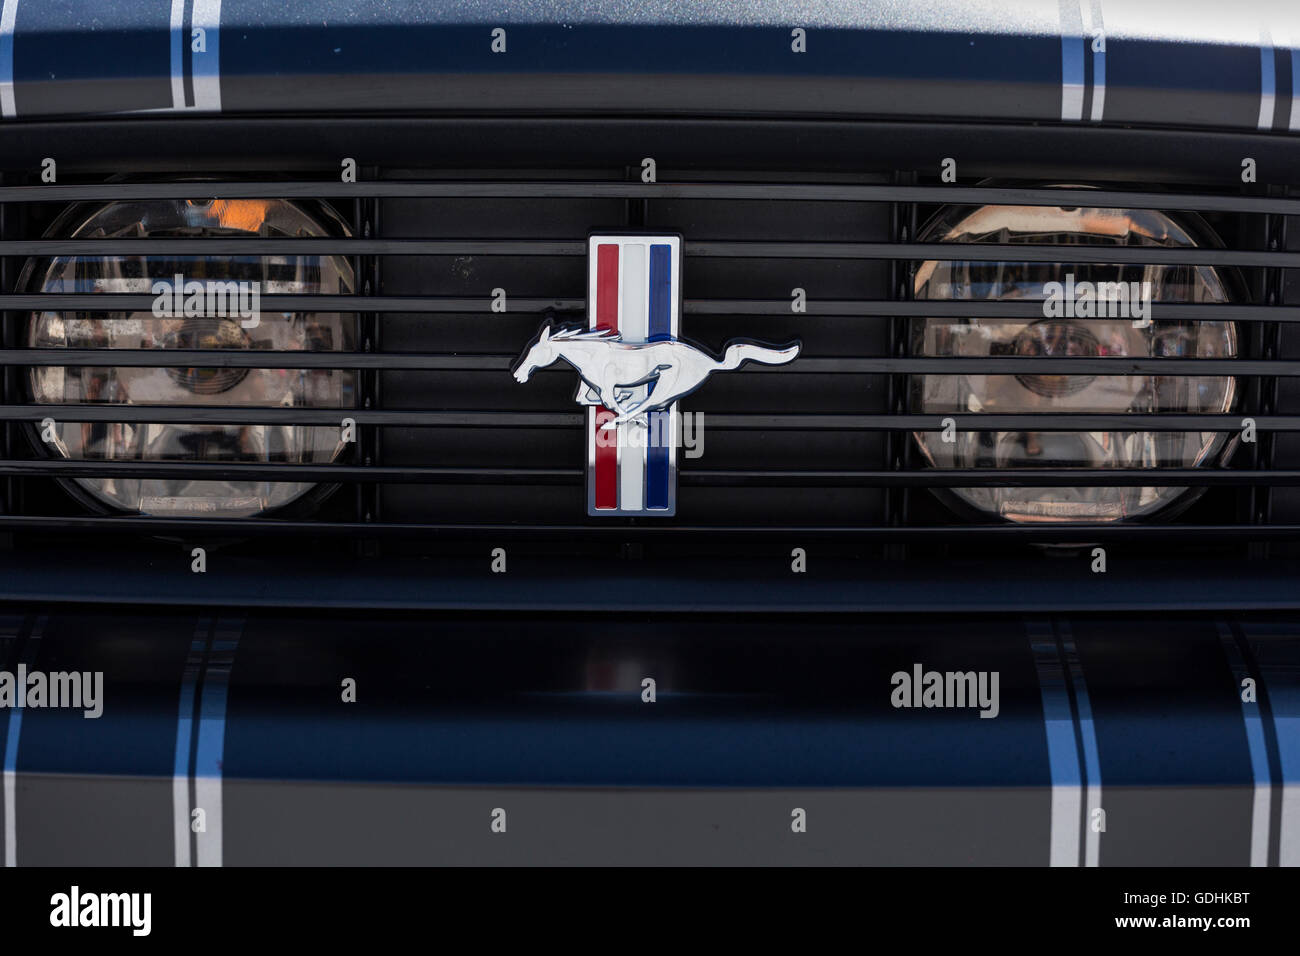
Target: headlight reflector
1058	336
164	386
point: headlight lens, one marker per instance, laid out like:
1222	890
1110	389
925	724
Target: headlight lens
1054	336
278	388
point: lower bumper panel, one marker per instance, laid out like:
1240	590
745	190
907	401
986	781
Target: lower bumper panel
273	738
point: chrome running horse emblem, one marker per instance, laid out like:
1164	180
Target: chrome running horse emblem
633	369
614	372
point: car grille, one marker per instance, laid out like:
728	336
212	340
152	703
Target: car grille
451	448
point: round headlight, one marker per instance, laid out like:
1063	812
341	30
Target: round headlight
1070	328
237	282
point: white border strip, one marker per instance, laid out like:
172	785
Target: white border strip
9	13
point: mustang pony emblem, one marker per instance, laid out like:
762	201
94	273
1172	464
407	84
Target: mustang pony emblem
613	371
633	369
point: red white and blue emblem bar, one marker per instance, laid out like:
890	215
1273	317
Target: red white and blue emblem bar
633	289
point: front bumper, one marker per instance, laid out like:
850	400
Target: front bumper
540	721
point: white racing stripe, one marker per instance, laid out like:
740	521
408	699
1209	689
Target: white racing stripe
1267	80
1073	45
1283	44
1095	25
11	636
205	67
1295	90
1062	752
10	783
1088	738
1279	671
205	63
1276	659
1257	748
182	799
177	36
209	751
1287	727
8	14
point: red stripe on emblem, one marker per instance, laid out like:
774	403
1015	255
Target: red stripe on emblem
607	286
606	461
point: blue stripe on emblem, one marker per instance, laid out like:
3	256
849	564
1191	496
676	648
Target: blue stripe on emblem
659	328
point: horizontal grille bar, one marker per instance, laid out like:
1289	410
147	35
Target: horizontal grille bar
1044	533
792	192
412	474
255	246
862	308
846	308
962	252
275	302
211	415
927	308
1006	365
258	471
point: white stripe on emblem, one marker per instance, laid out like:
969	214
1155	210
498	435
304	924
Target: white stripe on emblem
633	326
8	109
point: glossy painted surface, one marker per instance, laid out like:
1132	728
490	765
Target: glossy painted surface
545	716
1151	63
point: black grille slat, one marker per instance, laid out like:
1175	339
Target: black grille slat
926	478
963	252
882	308
614	189
1046	533
998	365
1040	421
